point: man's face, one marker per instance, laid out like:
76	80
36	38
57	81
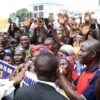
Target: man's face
24	40
19	57
85	54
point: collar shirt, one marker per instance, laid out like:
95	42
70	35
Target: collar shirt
86	83
51	84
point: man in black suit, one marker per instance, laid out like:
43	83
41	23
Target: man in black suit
45	89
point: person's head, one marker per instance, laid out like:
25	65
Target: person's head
61	54
90	52
47	22
78	38
65	50
65	65
9	59
8	56
19	55
49	42
36	50
9	20
63	13
17	33
1	47
25	40
46	65
8	52
13	44
13	26
6	37
39	21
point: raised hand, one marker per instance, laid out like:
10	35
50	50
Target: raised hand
77	46
74	25
62	20
87	16
38	23
85	30
72	34
19	76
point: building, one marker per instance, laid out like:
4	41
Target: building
43	9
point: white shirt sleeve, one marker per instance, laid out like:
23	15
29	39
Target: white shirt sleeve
6	87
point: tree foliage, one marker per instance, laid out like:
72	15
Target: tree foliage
22	14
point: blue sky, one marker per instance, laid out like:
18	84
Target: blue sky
9	6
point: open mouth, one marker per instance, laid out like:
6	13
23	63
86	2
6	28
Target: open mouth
17	60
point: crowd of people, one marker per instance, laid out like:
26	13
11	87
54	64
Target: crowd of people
65	59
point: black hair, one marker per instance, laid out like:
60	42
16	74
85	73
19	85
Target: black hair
93	26
25	34
46	64
46	20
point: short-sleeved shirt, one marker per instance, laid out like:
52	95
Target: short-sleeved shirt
86	83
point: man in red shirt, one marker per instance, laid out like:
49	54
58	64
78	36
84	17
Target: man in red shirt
89	55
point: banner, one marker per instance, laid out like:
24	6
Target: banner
29	79
5	69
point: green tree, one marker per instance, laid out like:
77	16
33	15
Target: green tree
22	14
